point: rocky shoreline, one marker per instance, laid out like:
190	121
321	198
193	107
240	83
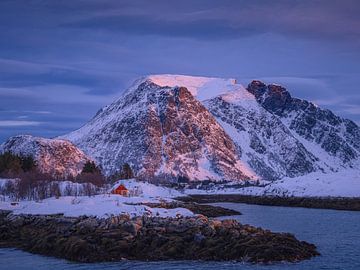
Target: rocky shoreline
336	203
90	239
196	208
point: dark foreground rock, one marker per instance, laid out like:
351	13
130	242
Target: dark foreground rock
88	239
203	209
340	203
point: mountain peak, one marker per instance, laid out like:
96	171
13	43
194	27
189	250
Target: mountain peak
200	87
273	97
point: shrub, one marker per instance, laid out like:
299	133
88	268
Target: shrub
91	174
90	167
125	173
13	165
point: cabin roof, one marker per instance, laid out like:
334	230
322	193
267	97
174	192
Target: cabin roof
120	187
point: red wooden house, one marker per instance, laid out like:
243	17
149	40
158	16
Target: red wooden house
120	190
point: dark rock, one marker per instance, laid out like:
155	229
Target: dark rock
149	238
203	209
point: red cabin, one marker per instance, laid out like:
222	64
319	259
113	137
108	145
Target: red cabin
120	190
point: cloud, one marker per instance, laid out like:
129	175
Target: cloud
201	19
228	19
55	93
72	57
18	123
351	109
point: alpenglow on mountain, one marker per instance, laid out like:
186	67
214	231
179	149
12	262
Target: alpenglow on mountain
171	126
211	128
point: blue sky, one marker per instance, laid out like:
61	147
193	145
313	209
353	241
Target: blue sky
61	61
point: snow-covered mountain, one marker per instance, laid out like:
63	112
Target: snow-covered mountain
333	140
162	132
211	128
266	143
171	126
59	158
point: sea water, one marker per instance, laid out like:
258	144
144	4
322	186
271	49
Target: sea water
335	233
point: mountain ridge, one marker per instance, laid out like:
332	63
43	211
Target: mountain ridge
169	126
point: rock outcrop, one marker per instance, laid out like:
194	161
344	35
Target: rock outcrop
88	239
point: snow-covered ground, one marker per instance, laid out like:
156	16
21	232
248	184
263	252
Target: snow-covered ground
99	205
103	205
200	87
150	191
345	183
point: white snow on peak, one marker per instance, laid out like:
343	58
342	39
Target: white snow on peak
241	97
200	87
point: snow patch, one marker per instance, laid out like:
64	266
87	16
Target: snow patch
200	87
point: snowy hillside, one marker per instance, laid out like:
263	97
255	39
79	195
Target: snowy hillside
56	157
266	144
345	183
333	140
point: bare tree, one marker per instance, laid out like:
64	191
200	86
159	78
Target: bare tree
89	189
68	190
55	190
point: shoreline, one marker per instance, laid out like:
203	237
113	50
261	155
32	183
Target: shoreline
209	211
334	203
90	239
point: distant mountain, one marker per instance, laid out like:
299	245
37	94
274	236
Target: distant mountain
58	158
171	127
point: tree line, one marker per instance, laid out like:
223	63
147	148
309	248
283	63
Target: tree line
35	185
12	165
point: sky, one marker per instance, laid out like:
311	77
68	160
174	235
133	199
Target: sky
61	61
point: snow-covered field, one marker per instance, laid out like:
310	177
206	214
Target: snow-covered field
345	183
103	205
98	205
150	191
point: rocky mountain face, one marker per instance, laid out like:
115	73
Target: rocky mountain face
163	133
166	126
58	158
336	141
172	126
265	142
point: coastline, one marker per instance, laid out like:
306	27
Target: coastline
335	203
210	211
91	239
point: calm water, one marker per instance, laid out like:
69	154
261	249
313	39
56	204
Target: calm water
336	233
